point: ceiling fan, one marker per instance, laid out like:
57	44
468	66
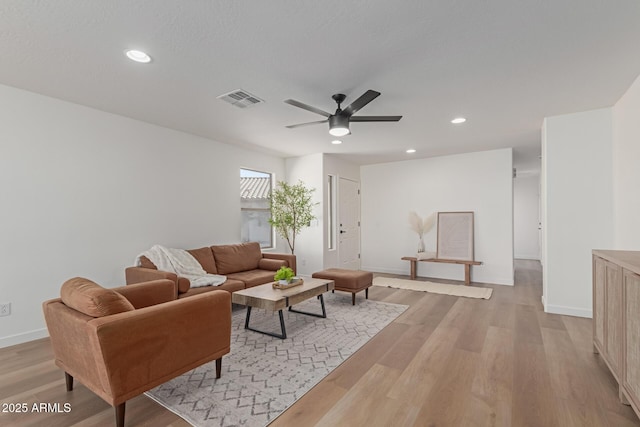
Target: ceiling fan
339	121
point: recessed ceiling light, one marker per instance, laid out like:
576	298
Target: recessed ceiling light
411	150
137	55
336	142
458	120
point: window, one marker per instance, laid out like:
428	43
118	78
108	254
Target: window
255	188
331	212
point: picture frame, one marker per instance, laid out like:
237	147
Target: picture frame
455	236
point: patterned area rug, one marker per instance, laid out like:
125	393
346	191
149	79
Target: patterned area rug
436	288
263	376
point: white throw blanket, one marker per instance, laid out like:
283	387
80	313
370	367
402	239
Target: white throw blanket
183	264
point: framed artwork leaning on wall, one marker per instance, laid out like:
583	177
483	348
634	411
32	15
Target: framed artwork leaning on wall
455	236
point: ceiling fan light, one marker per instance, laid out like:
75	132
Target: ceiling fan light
339	131
339	126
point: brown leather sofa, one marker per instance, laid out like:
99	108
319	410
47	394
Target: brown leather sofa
124	341
244	264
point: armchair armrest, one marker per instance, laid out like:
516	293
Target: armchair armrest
291	259
150	293
138	350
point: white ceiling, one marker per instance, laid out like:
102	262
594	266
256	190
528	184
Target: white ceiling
503	64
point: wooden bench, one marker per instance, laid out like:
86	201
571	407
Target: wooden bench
467	265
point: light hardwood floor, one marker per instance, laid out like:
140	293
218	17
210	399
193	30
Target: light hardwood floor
446	361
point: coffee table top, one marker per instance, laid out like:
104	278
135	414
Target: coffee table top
268	298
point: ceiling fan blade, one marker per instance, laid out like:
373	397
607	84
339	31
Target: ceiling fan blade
375	118
306	107
366	98
299	125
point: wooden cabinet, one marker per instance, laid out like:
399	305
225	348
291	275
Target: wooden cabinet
616	318
613	321
631	347
607	312
598	303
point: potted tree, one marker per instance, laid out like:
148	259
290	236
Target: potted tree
291	210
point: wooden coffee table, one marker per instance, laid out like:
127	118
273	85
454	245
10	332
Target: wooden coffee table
268	298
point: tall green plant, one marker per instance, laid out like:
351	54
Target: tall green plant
291	210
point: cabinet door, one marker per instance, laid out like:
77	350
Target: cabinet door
613	320
631	348
598	302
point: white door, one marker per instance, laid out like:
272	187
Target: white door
348	224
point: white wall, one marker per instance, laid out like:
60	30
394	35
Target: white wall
309	243
480	182
626	169
339	169
83	192
577	162
526	207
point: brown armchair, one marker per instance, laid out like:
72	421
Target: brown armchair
122	342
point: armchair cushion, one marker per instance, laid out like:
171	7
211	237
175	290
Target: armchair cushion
92	299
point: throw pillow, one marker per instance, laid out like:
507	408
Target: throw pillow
92	299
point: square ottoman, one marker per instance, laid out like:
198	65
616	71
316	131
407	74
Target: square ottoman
345	280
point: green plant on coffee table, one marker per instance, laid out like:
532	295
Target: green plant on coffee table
284	273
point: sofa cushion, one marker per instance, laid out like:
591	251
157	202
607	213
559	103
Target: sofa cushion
235	258
92	299
253	277
146	263
205	257
272	264
230	286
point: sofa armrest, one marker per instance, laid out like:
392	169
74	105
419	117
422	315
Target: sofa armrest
141	274
143	348
145	294
291	259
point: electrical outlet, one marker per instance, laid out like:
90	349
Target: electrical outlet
5	308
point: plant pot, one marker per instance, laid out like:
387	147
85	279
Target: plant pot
283	282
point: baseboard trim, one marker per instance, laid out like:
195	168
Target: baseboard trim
527	257
372	269
569	311
23	337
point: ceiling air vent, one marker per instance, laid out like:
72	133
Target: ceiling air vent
241	98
